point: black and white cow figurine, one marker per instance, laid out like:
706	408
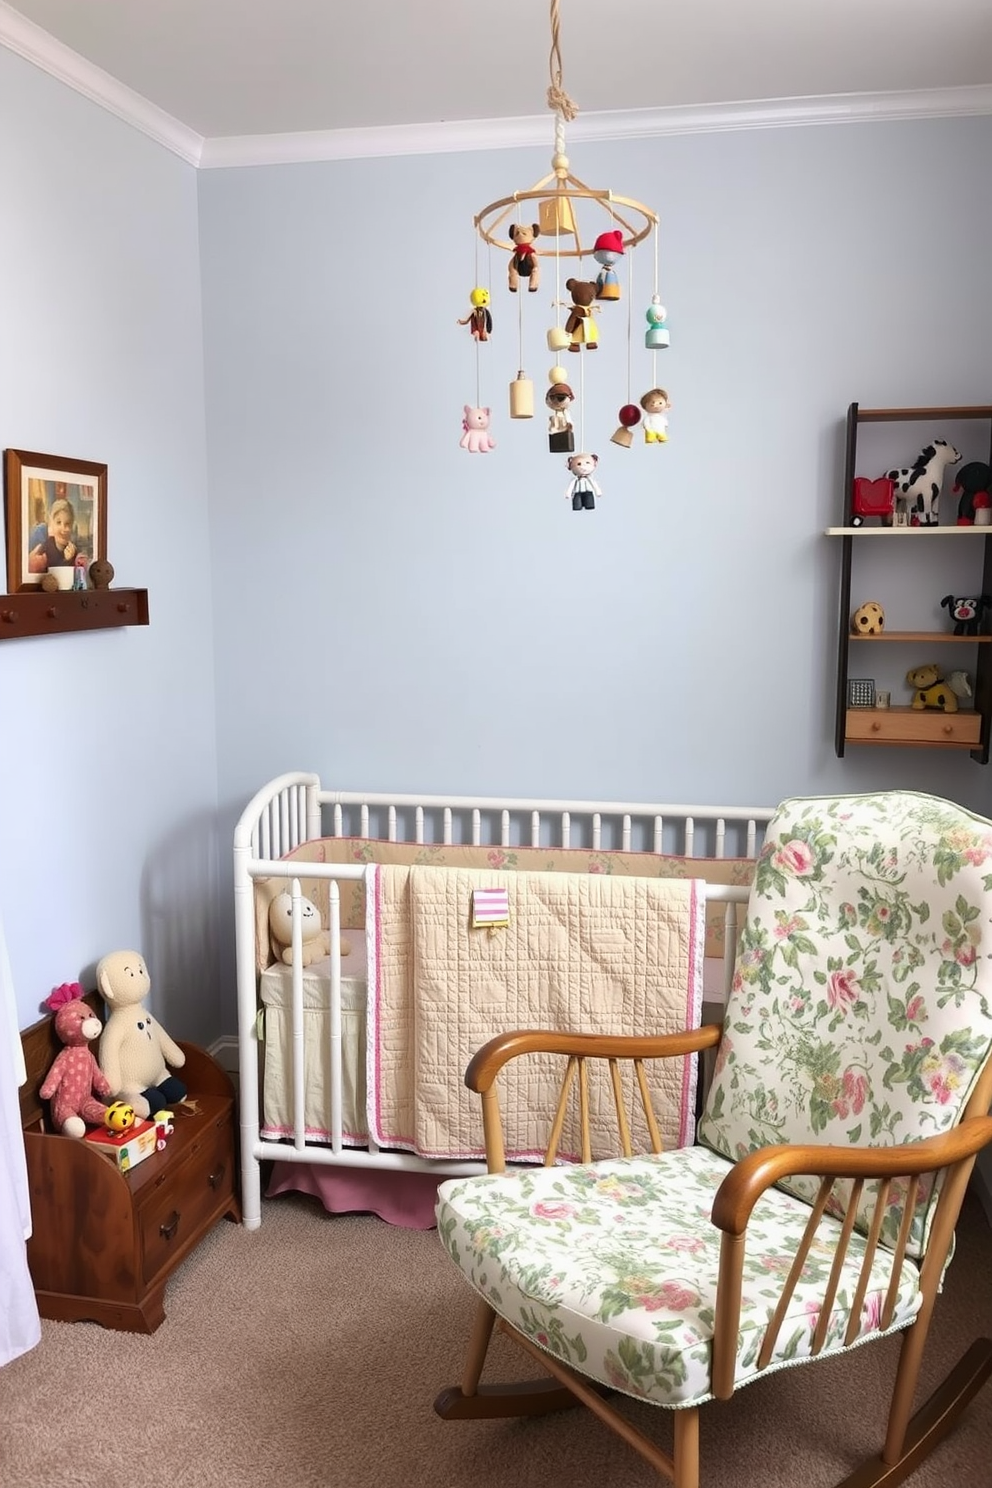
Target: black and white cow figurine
966	611
918	487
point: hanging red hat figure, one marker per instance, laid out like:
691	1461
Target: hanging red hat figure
607	248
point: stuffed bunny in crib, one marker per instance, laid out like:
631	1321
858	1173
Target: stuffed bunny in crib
316	940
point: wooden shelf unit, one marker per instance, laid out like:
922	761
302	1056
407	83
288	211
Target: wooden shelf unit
33	612
902	727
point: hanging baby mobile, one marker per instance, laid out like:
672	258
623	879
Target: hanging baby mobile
580	248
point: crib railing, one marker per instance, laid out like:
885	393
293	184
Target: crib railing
292	810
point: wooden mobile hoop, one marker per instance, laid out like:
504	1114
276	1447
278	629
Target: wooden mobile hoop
557	217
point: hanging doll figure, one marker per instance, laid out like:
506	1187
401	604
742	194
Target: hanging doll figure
559	399
656	404
581	324
582	488
479	320
656	337
606	250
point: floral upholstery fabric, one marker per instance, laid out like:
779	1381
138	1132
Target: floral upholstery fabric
612	1267
861	1006
860	1014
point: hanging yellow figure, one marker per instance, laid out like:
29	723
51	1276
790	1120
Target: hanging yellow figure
479	320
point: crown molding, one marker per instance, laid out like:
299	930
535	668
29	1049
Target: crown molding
505	134
37	46
29	41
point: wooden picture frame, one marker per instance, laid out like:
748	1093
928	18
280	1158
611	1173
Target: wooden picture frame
36	525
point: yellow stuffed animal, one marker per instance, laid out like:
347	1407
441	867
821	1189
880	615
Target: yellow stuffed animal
316	940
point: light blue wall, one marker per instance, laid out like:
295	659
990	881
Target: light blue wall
447	621
107	743
399	614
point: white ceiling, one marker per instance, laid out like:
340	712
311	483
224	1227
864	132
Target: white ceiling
266	67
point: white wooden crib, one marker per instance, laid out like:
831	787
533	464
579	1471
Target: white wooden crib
706	843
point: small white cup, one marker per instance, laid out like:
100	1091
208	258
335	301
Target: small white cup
63	574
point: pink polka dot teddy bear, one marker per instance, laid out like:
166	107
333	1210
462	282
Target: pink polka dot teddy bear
75	1075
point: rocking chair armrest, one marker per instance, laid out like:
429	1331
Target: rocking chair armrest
487	1062
747	1181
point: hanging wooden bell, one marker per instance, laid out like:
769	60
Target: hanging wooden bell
521	396
555	216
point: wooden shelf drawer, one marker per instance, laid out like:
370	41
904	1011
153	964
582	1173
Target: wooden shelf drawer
913	726
177	1212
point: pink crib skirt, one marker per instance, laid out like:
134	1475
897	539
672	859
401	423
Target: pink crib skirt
404	1199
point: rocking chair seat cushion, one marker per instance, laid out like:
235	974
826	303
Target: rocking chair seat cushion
612	1267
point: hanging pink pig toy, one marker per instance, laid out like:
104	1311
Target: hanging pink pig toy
476	437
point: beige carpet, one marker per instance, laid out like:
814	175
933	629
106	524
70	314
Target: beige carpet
309	1352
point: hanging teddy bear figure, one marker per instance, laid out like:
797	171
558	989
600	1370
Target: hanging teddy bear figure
581	325
524	261
479	319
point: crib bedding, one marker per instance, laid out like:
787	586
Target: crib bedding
276	994
581	953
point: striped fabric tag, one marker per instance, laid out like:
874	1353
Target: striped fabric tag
490	908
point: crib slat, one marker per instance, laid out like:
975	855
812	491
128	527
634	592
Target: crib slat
365	820
334	916
626	834
752	838
504	829
535	829
338	821
597	831
391	837
690	834
659	834
721	837
566	829
476	828
299	1067
447	826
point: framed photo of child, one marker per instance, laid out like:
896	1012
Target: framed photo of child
56	513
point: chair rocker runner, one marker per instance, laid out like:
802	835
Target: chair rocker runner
816	1211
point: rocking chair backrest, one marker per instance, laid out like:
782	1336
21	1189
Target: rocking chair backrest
861	1007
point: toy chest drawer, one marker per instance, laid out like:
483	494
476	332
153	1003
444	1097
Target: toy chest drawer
913	726
174	1214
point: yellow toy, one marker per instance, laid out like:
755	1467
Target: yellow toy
868	619
931	690
479	319
119	1116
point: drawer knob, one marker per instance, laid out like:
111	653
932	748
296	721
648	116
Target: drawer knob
875	726
170	1227
217	1176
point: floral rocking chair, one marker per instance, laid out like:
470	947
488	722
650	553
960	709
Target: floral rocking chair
816	1212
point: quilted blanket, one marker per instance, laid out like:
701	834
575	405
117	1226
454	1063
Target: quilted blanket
582	953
